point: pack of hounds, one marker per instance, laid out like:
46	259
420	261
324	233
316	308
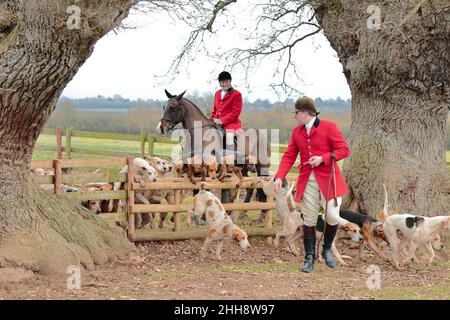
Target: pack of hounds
147	170
402	232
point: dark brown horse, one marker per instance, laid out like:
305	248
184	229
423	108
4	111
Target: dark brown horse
203	133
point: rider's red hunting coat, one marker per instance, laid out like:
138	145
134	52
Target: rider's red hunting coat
228	109
323	138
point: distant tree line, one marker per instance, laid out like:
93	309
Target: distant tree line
203	101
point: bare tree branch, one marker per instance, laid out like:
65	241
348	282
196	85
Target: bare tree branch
217	8
280	26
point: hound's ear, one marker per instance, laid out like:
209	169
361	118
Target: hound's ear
180	96
170	96
235	235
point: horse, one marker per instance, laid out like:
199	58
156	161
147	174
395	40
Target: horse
180	110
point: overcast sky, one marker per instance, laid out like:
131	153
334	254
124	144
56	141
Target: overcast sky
134	62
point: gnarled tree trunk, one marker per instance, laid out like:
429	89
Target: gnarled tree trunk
39	55
399	78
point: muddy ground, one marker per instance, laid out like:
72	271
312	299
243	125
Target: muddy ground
173	270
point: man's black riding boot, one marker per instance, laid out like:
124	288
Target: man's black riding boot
328	238
309	241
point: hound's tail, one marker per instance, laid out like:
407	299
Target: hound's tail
385	208
238	194
205	184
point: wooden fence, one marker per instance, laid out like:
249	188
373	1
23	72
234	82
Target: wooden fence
110	173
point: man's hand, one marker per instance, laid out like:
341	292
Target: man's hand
218	121
315	161
277	185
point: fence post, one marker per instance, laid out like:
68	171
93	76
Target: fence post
58	172
151	144
176	215
142	143
58	132
69	142
268	219
130	197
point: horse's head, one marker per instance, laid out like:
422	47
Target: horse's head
173	113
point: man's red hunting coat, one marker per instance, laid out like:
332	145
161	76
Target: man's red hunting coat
323	138
228	109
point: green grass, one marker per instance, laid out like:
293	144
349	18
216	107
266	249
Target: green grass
96	144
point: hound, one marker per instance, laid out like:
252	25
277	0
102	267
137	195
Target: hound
416	229
160	165
196	166
211	165
283	199
180	167
164	169
435	243
229	167
219	224
93	205
105	205
352	231
39	172
288	216
143	173
370	227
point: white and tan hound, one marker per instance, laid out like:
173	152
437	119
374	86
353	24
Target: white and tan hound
219	224
416	229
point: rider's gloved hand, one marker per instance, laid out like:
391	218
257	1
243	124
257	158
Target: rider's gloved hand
217	121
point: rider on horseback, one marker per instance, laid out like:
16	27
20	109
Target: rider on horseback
227	109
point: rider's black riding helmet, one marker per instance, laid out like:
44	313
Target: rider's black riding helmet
223	76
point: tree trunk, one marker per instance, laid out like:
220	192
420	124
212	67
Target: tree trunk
39	56
399	79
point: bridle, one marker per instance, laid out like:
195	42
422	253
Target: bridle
174	126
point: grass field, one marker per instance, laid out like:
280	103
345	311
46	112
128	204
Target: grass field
95	144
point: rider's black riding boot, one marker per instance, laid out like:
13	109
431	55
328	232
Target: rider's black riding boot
309	241
328	238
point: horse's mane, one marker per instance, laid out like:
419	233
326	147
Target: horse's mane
198	109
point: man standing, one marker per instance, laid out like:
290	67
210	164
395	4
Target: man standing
320	144
227	109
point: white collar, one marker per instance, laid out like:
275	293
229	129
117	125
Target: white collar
310	124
